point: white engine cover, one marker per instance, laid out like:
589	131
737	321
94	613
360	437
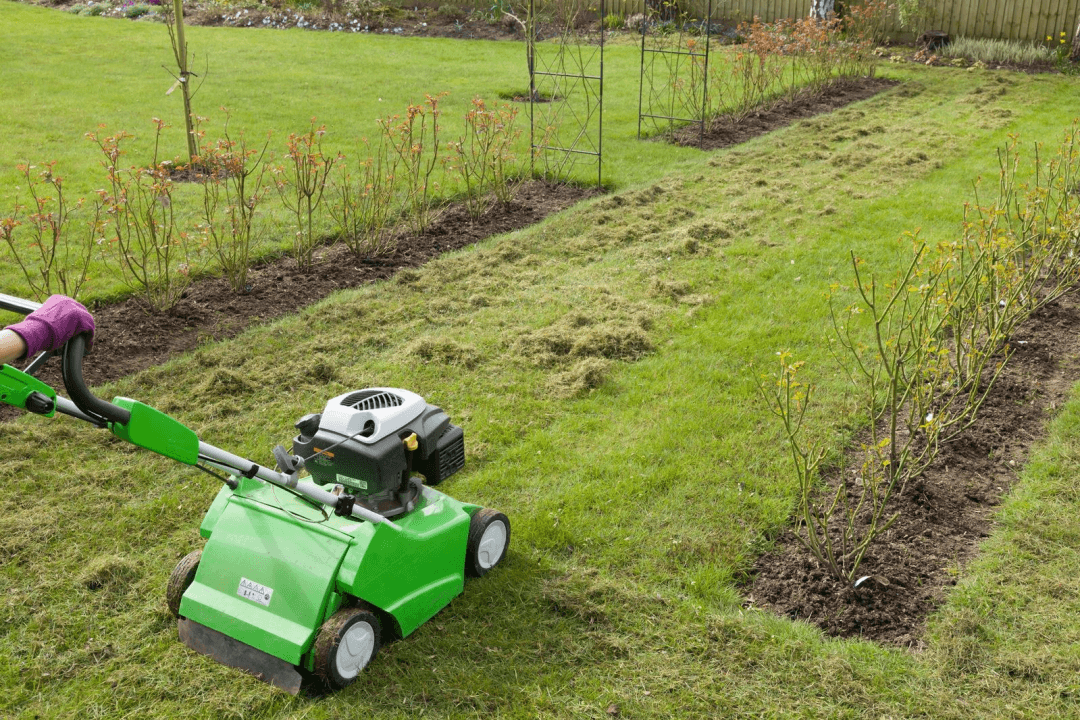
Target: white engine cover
389	409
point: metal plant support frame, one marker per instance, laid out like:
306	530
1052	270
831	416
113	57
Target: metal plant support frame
566	93
664	68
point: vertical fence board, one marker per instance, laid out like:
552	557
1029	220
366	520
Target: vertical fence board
989	16
1038	26
1032	28
1003	10
965	11
947	16
1016	22
1043	22
1060	22
1056	22
1048	23
966	21
1029	26
1027	20
986	18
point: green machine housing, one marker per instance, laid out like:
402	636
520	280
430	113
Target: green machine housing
274	567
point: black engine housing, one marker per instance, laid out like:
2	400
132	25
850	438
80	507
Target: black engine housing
376	465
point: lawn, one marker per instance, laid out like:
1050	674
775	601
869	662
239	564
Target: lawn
641	473
271	82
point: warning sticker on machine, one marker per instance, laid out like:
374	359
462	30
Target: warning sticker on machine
346	480
250	590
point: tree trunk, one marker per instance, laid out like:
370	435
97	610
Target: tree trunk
179	43
821	9
1075	54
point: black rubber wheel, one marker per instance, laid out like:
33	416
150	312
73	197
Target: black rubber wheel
346	643
181	578
489	537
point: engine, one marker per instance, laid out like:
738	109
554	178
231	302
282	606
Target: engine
372	442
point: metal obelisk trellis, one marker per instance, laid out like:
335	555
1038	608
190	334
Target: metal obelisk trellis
674	87
566	92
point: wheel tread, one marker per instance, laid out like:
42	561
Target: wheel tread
180	579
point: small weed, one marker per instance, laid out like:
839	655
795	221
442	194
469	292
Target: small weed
451	12
135	11
614	21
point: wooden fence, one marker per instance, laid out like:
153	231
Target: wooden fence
1031	20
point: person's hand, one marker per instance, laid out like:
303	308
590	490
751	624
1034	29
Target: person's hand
53	324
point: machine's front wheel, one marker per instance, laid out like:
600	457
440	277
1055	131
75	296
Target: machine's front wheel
182	576
489	536
346	643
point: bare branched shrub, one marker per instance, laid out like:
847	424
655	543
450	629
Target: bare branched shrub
233	184
53	257
938	337
363	202
484	157
786	57
156	258
415	140
301	182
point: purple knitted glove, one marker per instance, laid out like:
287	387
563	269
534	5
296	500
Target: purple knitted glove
53	324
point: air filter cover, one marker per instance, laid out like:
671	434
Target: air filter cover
375	413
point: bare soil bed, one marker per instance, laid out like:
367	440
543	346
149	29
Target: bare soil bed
129	338
943	514
724	133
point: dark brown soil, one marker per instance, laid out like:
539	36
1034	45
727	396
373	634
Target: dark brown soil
943	514
129	338
724	133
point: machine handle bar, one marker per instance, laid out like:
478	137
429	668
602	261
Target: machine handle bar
71	369
91	408
17	305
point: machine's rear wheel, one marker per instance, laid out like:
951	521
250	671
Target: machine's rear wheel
489	536
346	643
181	578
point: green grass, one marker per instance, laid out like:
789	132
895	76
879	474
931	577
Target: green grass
640	472
271	81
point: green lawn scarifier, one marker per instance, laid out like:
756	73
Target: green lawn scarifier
305	576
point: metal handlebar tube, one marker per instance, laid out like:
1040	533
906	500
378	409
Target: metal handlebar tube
71	368
234	463
38	362
18	305
65	406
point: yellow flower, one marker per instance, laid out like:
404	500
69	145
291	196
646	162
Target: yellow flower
1048	38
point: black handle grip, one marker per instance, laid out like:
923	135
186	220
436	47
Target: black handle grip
76	387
